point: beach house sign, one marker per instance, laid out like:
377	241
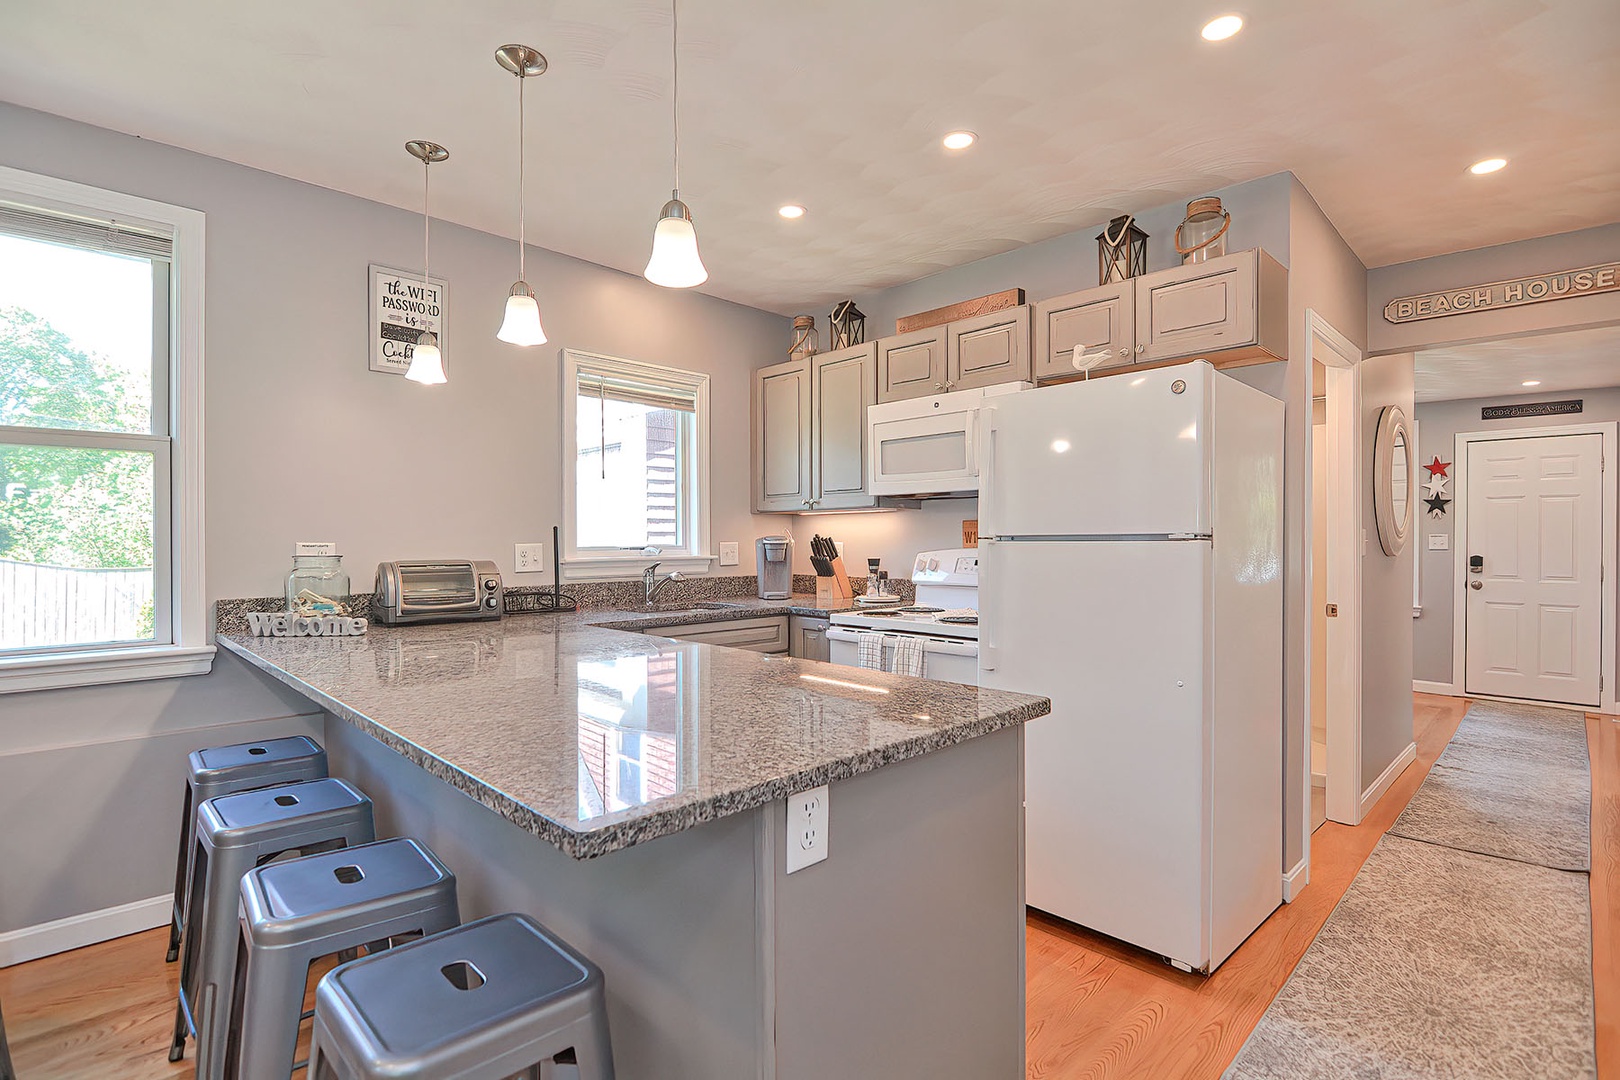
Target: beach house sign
1605	277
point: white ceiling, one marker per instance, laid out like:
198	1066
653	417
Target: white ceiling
1084	110
1575	360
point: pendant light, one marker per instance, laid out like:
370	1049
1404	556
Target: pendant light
521	326
675	263
427	366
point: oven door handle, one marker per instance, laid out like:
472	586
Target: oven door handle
939	646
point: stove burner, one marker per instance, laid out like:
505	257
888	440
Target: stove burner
964	620
920	609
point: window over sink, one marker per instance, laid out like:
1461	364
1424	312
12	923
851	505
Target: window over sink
635	450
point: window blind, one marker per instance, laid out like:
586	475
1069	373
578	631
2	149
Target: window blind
120	238
604	384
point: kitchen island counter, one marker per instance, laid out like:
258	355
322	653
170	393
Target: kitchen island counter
514	713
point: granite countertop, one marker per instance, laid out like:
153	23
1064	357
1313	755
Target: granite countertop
737	607
595	739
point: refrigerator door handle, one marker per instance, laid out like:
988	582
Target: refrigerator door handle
987	469
987	613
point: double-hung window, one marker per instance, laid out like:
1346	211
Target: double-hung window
635	453
100	436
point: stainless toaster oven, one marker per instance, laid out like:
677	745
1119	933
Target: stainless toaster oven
447	590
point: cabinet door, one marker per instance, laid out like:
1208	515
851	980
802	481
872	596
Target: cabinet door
782	437
911	365
808	638
842	385
1191	310
988	349
769	635
1100	318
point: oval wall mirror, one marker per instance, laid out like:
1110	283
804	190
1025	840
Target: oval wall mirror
1394	484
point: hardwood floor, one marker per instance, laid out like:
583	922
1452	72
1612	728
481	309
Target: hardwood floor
1097	1010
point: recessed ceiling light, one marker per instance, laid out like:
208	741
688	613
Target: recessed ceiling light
792	210
1489	165
1222	28
1531	382
959	140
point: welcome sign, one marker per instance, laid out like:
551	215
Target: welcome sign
1604	277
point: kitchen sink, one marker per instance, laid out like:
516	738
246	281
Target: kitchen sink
717	605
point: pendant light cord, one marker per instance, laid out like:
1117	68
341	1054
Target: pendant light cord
522	242
426	217
675	87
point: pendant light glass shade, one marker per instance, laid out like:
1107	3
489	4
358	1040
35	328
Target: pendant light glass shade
427	366
522	323
675	262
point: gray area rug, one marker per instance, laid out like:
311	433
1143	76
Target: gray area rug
1438	963
1514	782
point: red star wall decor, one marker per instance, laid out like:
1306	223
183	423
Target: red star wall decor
1437	467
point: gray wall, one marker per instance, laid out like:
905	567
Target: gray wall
1545	254
1386	590
1438	424
303	443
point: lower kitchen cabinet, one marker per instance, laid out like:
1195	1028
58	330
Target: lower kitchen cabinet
766	635
807	638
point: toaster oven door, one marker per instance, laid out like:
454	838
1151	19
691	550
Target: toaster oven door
437	588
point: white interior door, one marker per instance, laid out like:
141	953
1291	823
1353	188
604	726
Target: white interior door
1534	609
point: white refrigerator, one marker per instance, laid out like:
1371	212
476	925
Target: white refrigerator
1131	570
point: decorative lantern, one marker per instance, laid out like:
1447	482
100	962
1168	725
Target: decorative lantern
848	325
805	342
1203	235
1121	251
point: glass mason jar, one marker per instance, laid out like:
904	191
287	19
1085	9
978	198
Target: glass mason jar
1203	235
320	575
805	340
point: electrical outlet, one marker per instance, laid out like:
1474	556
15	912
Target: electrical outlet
806	828
529	558
1439	541
839	544
728	553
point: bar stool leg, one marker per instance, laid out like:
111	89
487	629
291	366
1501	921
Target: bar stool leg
182	1028
592	1050
272	991
180	877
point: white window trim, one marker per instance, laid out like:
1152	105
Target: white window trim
189	652
593	566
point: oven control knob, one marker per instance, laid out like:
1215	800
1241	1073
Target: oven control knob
933	564
489	584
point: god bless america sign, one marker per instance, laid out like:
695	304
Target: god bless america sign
402	307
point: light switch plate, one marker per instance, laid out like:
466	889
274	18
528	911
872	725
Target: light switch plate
529	558
1439	541
728	553
806	828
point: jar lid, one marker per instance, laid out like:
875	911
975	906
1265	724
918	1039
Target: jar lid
1208	206
800	322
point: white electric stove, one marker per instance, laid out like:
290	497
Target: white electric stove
944	615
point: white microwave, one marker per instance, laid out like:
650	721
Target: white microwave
928	446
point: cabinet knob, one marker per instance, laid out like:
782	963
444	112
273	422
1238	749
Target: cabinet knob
1141	348
1124	353
805	503
939	386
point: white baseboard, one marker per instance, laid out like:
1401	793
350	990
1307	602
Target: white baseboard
1387	777
1295	880
77	931
1444	689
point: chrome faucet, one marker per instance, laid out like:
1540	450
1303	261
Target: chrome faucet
652	584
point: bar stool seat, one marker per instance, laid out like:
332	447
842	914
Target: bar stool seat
236	833
223	770
294	913
482	1002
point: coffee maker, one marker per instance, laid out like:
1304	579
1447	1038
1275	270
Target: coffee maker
774	557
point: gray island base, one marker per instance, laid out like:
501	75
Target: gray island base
629	792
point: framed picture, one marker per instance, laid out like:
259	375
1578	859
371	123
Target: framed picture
401	308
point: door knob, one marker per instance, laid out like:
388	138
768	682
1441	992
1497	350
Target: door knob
1476	584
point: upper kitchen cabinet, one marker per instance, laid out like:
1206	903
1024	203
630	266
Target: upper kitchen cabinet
1103	318
1232	310
782	437
810	432
842	385
911	365
988	349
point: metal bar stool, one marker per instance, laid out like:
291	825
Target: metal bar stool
235	833
485	1001
294	913
223	770
6	1071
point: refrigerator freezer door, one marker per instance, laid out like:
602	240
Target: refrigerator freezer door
1116	779
1125	454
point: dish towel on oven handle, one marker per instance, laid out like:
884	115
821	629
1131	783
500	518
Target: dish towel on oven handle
870	643
909	658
